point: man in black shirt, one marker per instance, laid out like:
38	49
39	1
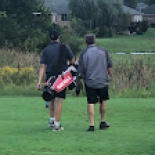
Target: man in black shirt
53	61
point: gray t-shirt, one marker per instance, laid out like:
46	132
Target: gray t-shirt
50	57
93	65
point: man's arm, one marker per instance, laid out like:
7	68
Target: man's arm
81	69
110	71
72	62
41	74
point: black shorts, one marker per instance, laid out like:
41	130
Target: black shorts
96	95
62	94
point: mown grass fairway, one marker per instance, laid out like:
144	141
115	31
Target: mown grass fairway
127	44
23	128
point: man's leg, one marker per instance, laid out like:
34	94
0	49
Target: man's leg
103	110
90	111
46	105
91	100
58	109
57	114
51	111
103	124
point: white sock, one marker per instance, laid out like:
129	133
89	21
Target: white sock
57	124
51	119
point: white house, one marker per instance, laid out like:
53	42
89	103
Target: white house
135	16
60	13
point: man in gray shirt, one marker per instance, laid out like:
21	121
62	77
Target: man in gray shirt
95	66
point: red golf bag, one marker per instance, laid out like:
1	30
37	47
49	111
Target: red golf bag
59	83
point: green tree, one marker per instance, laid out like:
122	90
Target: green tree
150	2
100	15
31	28
77	26
130	3
9	34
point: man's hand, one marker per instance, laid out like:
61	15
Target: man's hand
39	86
41	73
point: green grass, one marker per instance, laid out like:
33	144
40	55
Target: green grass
133	43
23	128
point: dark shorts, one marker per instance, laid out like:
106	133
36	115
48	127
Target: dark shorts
62	94
96	95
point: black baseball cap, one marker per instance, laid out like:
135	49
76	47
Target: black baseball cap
54	34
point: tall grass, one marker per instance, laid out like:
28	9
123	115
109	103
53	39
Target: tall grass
18	59
133	75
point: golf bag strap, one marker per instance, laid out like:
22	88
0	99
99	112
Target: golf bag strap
61	58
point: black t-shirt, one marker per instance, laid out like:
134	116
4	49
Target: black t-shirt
52	57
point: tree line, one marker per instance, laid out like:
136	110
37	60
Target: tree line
101	16
21	29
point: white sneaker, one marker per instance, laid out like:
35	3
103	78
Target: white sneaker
51	124
59	128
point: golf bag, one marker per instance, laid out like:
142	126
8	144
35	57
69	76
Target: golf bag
56	84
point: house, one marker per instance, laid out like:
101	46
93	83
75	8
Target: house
149	14
134	15
60	13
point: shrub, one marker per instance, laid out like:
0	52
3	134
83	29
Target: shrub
153	25
18	76
7	72
144	26
73	41
138	27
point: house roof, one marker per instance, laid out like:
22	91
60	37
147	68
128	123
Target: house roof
57	6
131	11
149	10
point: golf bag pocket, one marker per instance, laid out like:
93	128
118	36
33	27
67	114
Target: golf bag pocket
62	82
48	93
